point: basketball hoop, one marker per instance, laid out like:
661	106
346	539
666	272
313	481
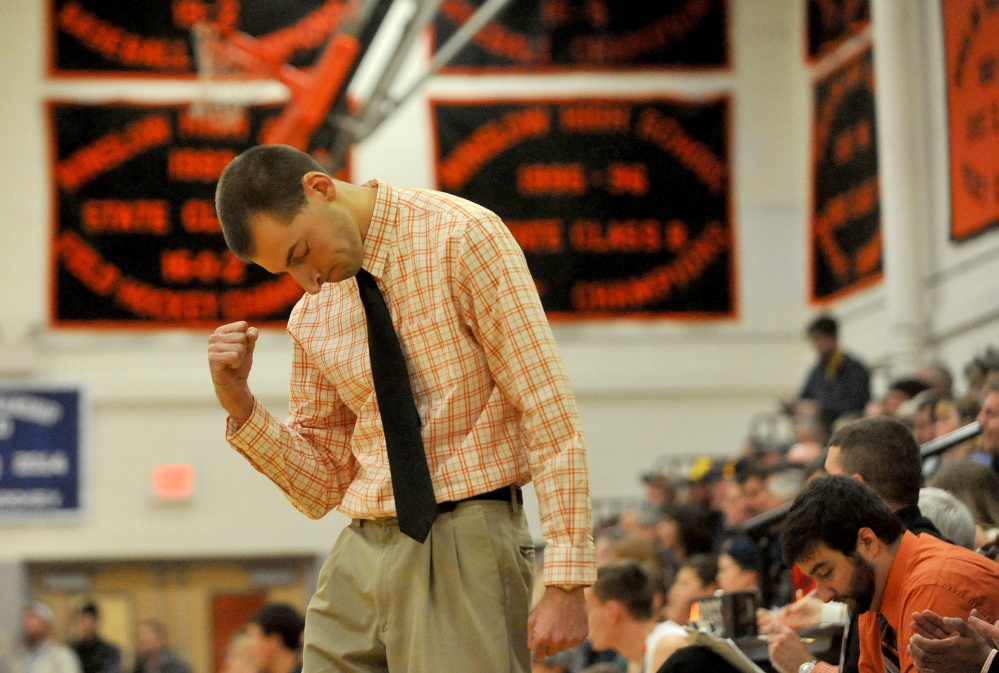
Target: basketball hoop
211	103
225	56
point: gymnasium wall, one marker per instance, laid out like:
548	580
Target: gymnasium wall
646	389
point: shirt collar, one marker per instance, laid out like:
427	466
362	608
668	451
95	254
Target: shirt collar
891	598
381	234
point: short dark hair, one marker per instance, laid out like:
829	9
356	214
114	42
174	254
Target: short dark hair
90	609
824	324
886	454
741	549
695	527
909	387
747	468
705	565
283	620
831	511
628	583
263	179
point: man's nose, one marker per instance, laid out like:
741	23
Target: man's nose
308	279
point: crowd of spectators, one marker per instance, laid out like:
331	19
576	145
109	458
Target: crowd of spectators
271	642
717	529
707	530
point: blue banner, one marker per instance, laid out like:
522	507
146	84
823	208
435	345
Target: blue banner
40	456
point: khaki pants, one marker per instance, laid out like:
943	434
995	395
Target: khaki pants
456	604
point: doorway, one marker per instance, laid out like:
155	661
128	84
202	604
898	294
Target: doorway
202	603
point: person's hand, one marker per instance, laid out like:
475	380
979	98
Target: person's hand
928	624
787	651
946	644
802	613
557	623
230	358
989	632
764	619
798	615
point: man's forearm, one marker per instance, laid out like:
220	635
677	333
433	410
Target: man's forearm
236	399
312	468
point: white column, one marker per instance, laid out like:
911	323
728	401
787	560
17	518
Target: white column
14	585
904	177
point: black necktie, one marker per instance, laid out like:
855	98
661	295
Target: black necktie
414	492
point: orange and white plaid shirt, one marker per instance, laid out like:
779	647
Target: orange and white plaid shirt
495	402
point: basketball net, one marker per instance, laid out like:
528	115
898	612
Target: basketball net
210	101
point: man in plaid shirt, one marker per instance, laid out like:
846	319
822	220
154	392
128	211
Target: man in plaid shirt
494	402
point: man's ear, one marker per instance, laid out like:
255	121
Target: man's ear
868	544
319	184
858	477
616	610
274	641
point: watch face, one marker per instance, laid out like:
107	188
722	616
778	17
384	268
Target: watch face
806	667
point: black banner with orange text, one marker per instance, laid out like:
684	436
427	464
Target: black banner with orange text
846	210
833	22
971	36
153	37
622	207
590	34
136	240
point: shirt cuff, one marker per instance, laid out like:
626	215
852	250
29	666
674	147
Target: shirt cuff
988	661
823	667
254	424
570	565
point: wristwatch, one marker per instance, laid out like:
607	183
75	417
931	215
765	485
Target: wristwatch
807	666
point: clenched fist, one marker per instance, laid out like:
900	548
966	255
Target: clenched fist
230	357
557	623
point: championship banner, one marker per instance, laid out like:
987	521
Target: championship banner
589	34
622	206
846	210
833	22
153	37
136	241
971	35
40	454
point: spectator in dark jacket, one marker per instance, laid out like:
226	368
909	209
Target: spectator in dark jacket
838	383
96	654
